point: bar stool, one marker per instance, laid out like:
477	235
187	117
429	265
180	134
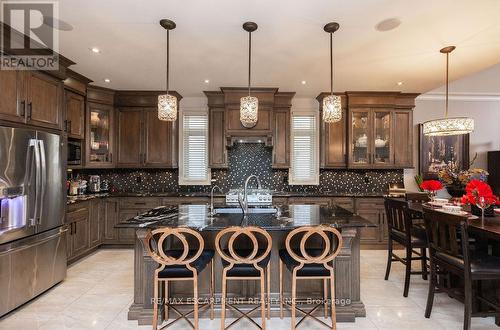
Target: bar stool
245	264
310	263
179	265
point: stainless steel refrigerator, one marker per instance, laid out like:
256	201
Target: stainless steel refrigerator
33	199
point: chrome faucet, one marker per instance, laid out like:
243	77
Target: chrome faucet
212	213
244	201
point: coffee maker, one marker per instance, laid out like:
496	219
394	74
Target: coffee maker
95	183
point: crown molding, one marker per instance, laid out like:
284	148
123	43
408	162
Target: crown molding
480	97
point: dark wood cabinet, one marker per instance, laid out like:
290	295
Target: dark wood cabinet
217	138
380	129
263	126
333	153
12	101
31	97
44	100
99	140
373	210
78	233
75	115
110	234
145	141
281	138
129	137
403	138
160	148
96	219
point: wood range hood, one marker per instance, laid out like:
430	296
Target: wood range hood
272	128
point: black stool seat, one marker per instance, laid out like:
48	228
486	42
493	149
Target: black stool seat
418	238
483	266
244	270
181	270
308	269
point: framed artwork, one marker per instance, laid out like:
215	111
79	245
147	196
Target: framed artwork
438	151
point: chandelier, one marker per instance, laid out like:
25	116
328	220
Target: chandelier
249	105
167	104
448	125
332	105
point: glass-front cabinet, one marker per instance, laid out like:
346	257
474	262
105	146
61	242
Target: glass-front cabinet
360	131
382	137
99	135
370	138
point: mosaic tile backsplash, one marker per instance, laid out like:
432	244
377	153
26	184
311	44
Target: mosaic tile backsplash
245	159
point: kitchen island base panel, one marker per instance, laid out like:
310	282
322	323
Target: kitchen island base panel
347	281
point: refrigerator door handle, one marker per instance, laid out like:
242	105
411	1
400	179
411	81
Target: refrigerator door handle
33	146
43	177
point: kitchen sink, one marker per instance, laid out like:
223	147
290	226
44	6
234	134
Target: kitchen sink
224	210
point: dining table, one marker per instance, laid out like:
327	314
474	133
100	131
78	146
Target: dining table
487	228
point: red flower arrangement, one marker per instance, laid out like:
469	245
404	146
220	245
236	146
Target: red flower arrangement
431	185
476	189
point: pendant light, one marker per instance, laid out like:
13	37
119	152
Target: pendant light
249	105
448	126
332	105
167	104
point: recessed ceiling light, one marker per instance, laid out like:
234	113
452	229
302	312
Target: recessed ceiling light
400	83
207	81
388	24
107	80
95	50
303	82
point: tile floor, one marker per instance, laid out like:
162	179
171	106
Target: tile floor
99	290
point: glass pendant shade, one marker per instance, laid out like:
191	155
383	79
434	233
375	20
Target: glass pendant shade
249	111
448	126
332	109
167	107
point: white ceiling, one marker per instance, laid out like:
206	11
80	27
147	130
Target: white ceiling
289	46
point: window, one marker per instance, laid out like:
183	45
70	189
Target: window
193	149
304	149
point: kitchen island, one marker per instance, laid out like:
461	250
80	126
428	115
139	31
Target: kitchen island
347	264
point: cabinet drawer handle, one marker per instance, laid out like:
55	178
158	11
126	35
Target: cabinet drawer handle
69	126
140	203
30	110
66	126
22	108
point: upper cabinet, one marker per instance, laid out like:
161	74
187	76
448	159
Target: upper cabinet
142	139
75	91
375	120
31	97
12	100
333	152
44	99
99	128
75	115
281	129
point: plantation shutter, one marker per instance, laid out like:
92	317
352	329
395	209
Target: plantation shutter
194	155
305	150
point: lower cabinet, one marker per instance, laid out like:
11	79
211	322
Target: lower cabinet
77	239
373	210
95	222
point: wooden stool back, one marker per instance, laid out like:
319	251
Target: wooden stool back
233	257
154	243
326	256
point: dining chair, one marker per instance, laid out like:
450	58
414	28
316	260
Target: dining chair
245	264
401	230
417	197
450	252
179	265
310	263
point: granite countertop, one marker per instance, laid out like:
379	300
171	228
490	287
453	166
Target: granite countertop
292	216
277	194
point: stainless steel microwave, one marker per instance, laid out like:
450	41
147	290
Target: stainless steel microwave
74	153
